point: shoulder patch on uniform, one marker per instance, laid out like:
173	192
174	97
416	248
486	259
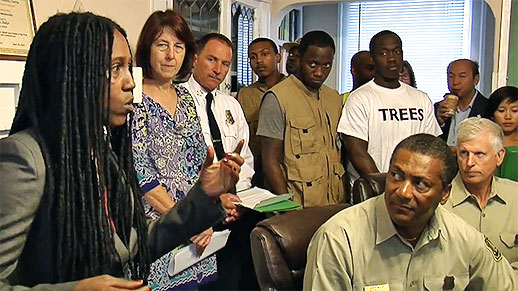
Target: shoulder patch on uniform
497	255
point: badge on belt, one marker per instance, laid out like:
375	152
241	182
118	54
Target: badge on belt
229	119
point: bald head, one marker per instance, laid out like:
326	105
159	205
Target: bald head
362	68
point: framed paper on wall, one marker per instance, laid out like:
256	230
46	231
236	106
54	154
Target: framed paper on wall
17	27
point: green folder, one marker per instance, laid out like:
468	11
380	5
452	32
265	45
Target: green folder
275	203
283	205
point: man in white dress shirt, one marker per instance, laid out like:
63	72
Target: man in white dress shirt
211	65
224	124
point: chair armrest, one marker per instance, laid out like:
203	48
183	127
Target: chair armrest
368	186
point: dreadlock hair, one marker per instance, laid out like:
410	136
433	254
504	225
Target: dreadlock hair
90	179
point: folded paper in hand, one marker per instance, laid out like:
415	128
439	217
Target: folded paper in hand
187	256
265	201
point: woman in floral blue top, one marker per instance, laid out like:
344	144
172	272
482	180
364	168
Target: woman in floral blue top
168	144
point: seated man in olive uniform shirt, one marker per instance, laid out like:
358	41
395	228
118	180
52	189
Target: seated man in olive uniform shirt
405	240
488	203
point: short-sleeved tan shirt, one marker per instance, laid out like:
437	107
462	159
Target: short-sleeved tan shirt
359	249
498	220
250	99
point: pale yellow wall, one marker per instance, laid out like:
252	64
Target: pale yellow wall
130	14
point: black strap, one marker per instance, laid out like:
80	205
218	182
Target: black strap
214	129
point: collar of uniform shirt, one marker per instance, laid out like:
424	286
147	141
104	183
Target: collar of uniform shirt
199	92
385	228
457	197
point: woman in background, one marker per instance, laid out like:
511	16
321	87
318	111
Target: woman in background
70	208
503	107
407	75
168	143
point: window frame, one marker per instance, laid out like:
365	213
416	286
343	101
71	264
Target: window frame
344	60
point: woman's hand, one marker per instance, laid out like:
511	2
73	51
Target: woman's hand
159	199
107	282
228	202
202	240
221	177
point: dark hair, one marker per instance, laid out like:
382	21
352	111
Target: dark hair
355	60
318	38
205	39
407	65
63	96
374	39
432	146
473	64
501	94
264	39
153	28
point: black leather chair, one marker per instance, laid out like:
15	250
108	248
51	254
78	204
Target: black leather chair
368	186
279	246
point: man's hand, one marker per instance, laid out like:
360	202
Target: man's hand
443	113
202	240
221	177
107	282
227	201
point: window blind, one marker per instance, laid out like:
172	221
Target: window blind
245	29
433	32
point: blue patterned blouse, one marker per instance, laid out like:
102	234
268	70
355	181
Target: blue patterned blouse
169	151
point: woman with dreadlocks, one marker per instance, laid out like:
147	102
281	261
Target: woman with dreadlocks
70	207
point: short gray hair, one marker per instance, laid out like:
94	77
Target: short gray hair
474	126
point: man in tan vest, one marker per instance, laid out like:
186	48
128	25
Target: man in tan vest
264	60
297	125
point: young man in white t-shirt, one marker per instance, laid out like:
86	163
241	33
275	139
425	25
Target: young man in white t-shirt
383	112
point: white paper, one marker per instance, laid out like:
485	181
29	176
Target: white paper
253	196
188	256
